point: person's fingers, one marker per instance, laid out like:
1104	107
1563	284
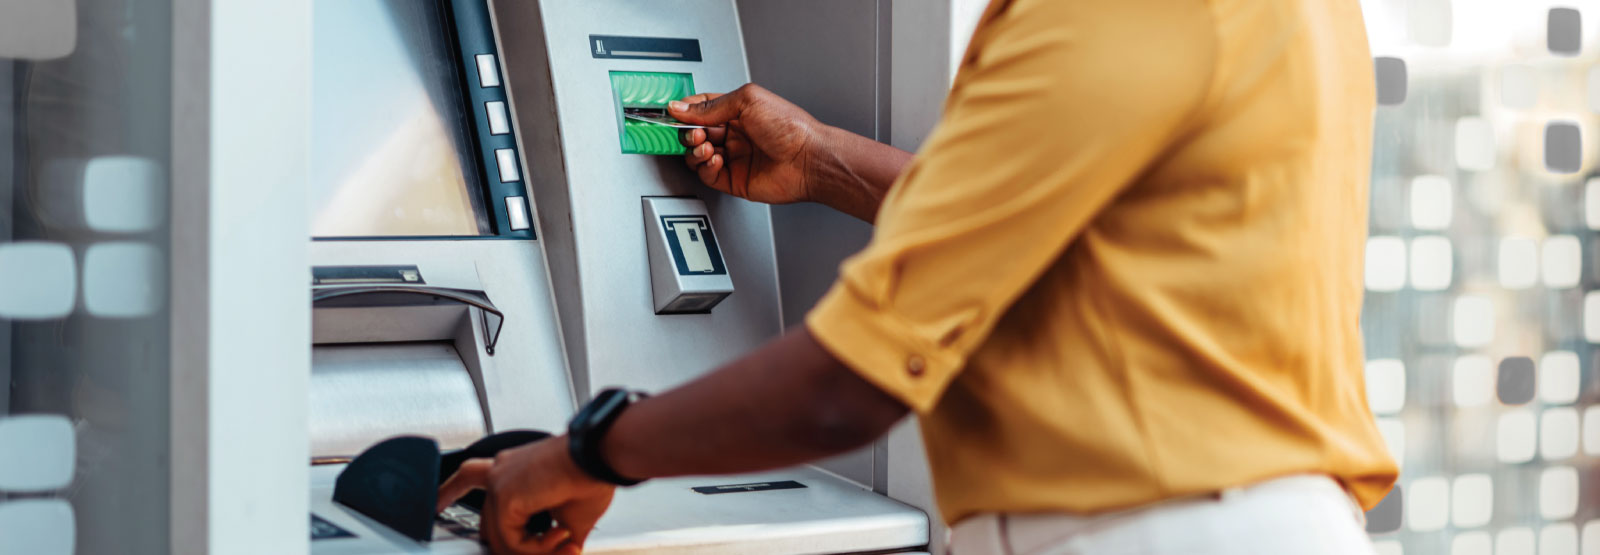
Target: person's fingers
710	170
490	531
473	474
581	515
691	137
548	542
699	154
698	98
716	135
714	110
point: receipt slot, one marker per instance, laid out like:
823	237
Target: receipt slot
687	272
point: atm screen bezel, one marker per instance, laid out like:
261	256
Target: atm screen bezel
469	26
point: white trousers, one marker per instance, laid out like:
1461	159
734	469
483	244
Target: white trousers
1297	514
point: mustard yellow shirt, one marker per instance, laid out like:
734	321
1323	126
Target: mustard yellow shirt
1127	265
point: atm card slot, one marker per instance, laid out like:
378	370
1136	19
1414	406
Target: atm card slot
657	116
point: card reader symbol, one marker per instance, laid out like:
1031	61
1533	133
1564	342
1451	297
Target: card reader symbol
694	247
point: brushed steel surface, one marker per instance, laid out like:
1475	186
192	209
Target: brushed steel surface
524	384
364	393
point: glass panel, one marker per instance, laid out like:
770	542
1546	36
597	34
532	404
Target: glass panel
84	243
392	152
1479	325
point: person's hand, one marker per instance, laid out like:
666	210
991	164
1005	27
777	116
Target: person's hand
758	147
524	481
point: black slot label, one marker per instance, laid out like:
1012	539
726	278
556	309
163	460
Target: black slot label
746	488
321	529
644	48
354	275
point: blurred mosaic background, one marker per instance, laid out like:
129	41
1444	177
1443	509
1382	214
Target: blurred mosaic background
85	330
1482	314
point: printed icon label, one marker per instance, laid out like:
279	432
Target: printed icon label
694	247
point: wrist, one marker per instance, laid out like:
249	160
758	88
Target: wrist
587	433
824	167
566	466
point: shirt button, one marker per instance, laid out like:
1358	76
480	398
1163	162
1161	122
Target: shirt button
915	366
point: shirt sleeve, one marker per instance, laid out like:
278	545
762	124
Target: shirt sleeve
1059	106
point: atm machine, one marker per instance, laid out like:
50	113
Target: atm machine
495	239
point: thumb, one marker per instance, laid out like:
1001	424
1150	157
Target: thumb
712	109
473	474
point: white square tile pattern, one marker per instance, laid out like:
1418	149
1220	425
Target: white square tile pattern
1432	263
1472	543
1519	87
1517	437
1471	500
1517	540
37	527
1558	433
37	453
1562	263
38	280
1559	374
1591	316
123	194
123	279
1427	504
1386	263
1472	381
1475	145
1429	22
1431	202
1591	194
1472	321
1558	492
1388	547
1518	262
1591	537
1559	539
1591	433
1386	385
1594	92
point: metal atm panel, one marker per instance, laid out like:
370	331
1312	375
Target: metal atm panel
589	192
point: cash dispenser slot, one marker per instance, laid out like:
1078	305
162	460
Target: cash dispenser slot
389	360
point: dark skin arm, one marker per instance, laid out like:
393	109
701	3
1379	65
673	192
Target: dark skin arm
767	150
786	403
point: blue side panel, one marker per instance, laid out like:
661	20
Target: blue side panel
476	37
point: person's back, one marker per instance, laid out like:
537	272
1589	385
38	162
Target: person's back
1201	331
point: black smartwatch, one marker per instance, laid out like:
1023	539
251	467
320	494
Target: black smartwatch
588	430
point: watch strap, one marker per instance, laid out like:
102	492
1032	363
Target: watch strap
587	432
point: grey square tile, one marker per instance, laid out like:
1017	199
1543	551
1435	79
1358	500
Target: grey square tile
1515	385
1563	147
1387	516
1391	77
1564	31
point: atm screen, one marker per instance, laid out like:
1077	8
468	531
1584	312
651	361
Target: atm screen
392	150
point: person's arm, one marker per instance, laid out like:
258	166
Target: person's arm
792	402
763	148
787	403
853	173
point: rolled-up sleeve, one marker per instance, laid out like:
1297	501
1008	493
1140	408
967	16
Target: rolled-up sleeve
1059	106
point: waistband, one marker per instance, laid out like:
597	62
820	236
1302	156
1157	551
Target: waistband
982	533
